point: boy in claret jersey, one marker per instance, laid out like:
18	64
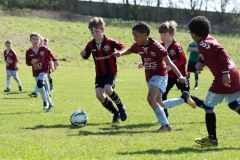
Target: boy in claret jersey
226	83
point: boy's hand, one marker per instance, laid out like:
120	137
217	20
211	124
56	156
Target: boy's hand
55	64
83	53
226	80
199	66
116	54
33	61
140	65
181	79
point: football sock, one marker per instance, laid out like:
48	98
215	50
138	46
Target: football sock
173	102
198	101
196	80
161	116
116	99
109	106
50	81
19	82
47	87
8	83
238	111
36	89
210	119
43	93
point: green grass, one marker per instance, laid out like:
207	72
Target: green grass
26	132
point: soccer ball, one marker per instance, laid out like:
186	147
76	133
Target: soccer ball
79	118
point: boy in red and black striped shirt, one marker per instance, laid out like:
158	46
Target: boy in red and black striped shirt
101	49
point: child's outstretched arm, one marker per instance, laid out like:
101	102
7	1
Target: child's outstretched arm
122	53
168	61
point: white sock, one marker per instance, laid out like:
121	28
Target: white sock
159	112
43	93
173	102
8	83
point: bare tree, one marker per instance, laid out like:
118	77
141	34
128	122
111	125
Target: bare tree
159	2
193	4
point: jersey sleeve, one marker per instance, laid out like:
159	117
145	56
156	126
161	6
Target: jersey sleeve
50	54
28	59
88	51
118	45
182	59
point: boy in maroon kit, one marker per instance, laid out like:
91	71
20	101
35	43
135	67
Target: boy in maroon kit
226	83
101	49
11	60
40	57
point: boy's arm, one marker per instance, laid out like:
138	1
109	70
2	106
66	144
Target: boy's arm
122	53
168	61
86	52
28	59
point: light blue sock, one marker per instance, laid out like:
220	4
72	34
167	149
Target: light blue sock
173	102
36	89
161	116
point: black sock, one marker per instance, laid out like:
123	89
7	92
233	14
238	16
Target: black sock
210	119
238	111
196	80
166	112
109	105
116	99
198	101
50	81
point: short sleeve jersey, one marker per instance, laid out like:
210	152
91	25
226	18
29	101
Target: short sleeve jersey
11	58
177	56
193	55
217	60
105	63
44	55
152	58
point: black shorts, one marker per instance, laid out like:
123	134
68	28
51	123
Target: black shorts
101	81
191	67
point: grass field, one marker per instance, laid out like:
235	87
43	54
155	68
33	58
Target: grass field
26	132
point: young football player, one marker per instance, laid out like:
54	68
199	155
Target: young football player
44	42
153	56
11	60
226	83
101	48
40	57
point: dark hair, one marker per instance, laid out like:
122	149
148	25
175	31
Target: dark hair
200	25
96	22
8	41
142	27
168	26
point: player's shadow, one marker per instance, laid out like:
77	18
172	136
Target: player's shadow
197	149
113	132
16	113
41	126
19	92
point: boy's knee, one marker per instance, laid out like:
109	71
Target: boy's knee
233	105
40	83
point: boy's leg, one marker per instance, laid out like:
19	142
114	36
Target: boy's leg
8	81
105	101
108	89
210	119
50	82
35	92
47	102
15	76
196	81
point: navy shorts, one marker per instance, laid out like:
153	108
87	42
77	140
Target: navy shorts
191	67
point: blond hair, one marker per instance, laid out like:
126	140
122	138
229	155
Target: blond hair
35	34
96	22
168	26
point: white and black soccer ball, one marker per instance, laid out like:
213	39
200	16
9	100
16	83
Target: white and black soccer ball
79	118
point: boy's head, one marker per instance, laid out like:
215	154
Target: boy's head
167	30
141	32
45	41
8	44
35	39
96	26
199	27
